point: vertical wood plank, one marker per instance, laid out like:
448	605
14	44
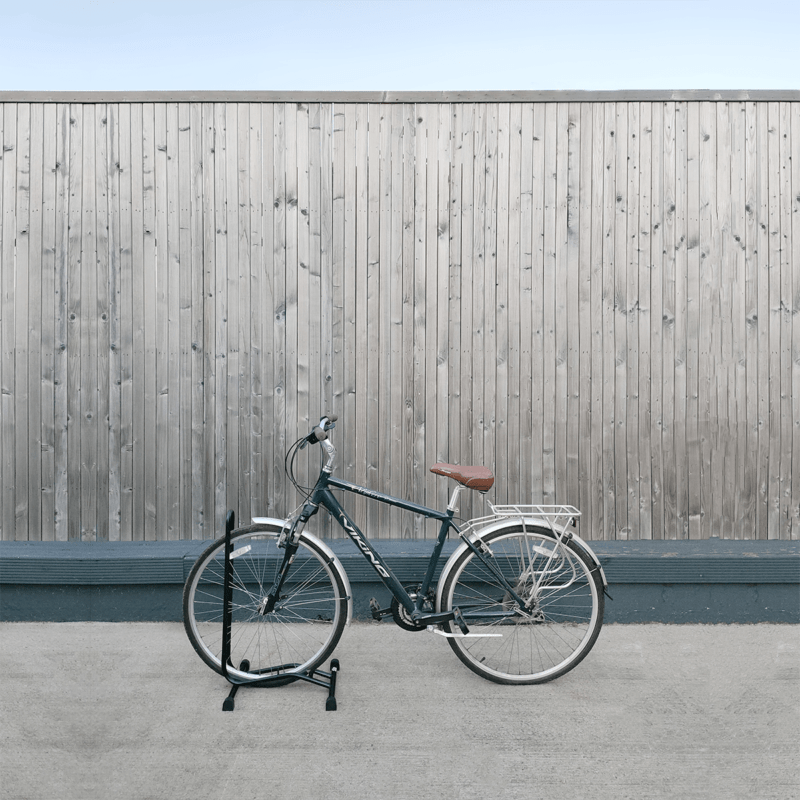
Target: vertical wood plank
583	385
726	280
372	273
749	499
422	127
526	322
681	250
388	399
489	344
164	248
609	304
787	311
736	245
502	349
409	311
48	300
189	326
657	364
244	291
89	328
430	299
633	307
361	321
281	500
102	312
597	180
478	297
623	312
692	305
126	325
255	417
338	267
538	229
773	221
60	361
708	344
74	320
315	293
442	223
668	199
176	353
327	300
300	258
571	261
516	373
152	315
7	525
222	485
762	317
393	267
21	291
551	250
36	344
647	301
209	377
8	321
795	355
230	316
114	330
268	305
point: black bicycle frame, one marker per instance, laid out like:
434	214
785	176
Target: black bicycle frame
322	496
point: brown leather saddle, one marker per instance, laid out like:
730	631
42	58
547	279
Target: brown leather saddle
478	478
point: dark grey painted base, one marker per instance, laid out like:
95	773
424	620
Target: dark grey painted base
632	603
671	582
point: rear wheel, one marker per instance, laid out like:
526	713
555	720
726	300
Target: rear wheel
296	636
562	613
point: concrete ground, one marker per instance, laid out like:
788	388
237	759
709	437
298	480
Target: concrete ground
127	710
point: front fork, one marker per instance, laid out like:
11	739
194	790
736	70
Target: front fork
290	542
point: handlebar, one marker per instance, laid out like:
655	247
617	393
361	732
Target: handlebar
320	432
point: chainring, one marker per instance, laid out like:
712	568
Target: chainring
402	618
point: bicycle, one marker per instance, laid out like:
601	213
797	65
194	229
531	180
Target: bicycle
520	600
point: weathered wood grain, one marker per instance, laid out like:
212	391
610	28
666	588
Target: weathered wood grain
665	202
24	310
48	345
112	167
102	312
595	299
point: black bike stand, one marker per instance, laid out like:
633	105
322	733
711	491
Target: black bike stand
325	679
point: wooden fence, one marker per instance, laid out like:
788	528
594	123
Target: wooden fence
598	300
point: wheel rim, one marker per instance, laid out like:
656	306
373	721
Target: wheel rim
547	640
299	632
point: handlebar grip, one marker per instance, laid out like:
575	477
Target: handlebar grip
319	434
331	417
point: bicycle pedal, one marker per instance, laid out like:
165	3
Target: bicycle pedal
460	621
377	612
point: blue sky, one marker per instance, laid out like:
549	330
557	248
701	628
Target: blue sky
396	45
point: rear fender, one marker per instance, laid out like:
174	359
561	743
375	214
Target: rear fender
529	522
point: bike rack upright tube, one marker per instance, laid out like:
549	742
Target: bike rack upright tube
227	597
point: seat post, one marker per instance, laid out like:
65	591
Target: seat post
451	506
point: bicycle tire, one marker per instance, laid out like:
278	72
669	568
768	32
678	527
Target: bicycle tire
548	640
296	637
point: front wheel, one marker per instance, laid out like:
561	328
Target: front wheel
554	628
295	636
